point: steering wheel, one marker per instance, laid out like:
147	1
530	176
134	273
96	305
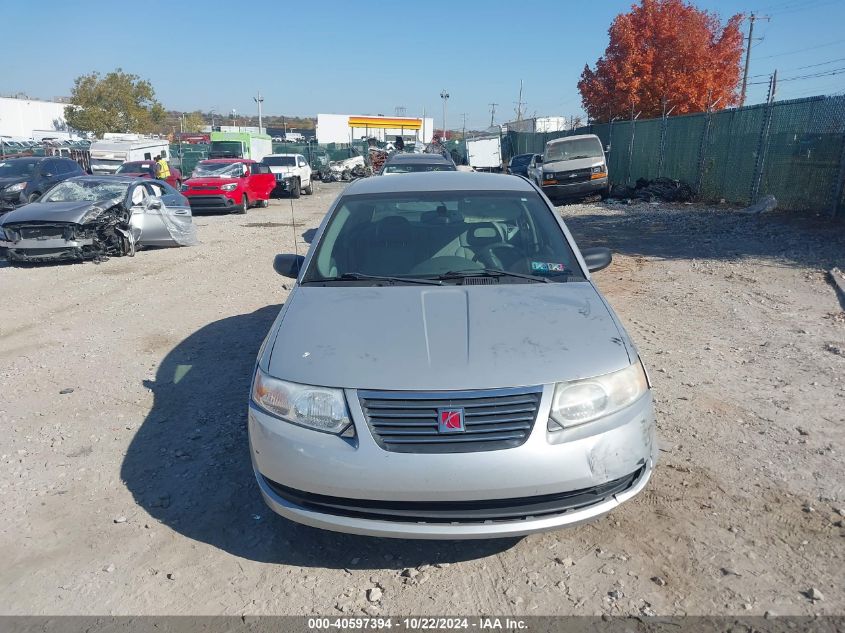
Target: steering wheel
487	255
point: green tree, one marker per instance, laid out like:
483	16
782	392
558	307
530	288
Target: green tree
116	102
194	122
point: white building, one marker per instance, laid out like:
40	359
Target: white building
345	128
19	118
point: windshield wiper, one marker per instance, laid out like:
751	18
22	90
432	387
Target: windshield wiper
490	272
363	277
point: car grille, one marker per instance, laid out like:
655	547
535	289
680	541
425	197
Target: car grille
577	175
204	188
494	419
486	510
44	232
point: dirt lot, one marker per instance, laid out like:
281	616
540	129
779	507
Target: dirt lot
133	494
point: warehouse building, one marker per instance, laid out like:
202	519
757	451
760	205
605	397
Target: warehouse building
345	128
22	118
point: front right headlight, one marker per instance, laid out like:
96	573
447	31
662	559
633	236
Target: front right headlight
229	187
581	401
319	408
17	187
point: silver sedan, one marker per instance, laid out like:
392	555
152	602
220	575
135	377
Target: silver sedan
444	367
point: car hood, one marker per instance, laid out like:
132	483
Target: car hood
54	211
210	181
445	338
572	165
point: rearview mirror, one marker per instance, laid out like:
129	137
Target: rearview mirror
288	265
597	258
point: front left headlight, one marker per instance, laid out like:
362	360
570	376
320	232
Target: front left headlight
16	188
319	408
229	187
581	401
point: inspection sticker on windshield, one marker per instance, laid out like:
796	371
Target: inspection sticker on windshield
547	267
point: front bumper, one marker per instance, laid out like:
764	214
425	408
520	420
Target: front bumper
219	202
576	189
552	480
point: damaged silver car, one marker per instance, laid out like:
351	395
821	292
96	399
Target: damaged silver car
94	217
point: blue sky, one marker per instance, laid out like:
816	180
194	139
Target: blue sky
370	57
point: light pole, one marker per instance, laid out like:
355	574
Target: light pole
234	114
212	119
259	100
445	96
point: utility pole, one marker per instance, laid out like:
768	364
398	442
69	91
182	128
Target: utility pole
492	112
445	96
464	133
259	100
751	20
234	114
519	103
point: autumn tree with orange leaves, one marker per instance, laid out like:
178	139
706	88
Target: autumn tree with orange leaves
664	50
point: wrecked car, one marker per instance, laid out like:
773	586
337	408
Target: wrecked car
445	367
95	217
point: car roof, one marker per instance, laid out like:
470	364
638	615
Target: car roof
573	138
418	158
439	181
281	155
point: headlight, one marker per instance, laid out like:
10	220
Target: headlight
548	175
16	187
586	400
598	169
319	408
230	187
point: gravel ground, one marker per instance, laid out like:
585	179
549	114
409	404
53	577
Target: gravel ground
127	487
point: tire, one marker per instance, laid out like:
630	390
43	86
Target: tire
295	191
33	196
264	203
310	188
244	205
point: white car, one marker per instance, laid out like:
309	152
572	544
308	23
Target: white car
293	173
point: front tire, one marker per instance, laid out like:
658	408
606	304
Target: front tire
295	190
244	205
310	188
33	197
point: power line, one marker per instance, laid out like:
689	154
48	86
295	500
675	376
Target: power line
801	50
831	61
827	73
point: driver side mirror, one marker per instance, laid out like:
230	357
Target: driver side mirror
597	258
288	265
153	204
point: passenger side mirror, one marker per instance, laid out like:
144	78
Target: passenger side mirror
288	265
607	149
597	258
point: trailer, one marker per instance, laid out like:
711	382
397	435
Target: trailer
485	153
110	153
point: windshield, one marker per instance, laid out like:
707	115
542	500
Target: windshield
11	168
137	168
88	189
226	149
208	169
570	150
423	235
279	161
401	168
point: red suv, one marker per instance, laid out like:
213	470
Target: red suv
229	184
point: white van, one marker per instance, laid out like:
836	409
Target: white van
109	154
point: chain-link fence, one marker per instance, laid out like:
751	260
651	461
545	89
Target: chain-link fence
793	150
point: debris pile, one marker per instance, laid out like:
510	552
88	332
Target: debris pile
664	189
